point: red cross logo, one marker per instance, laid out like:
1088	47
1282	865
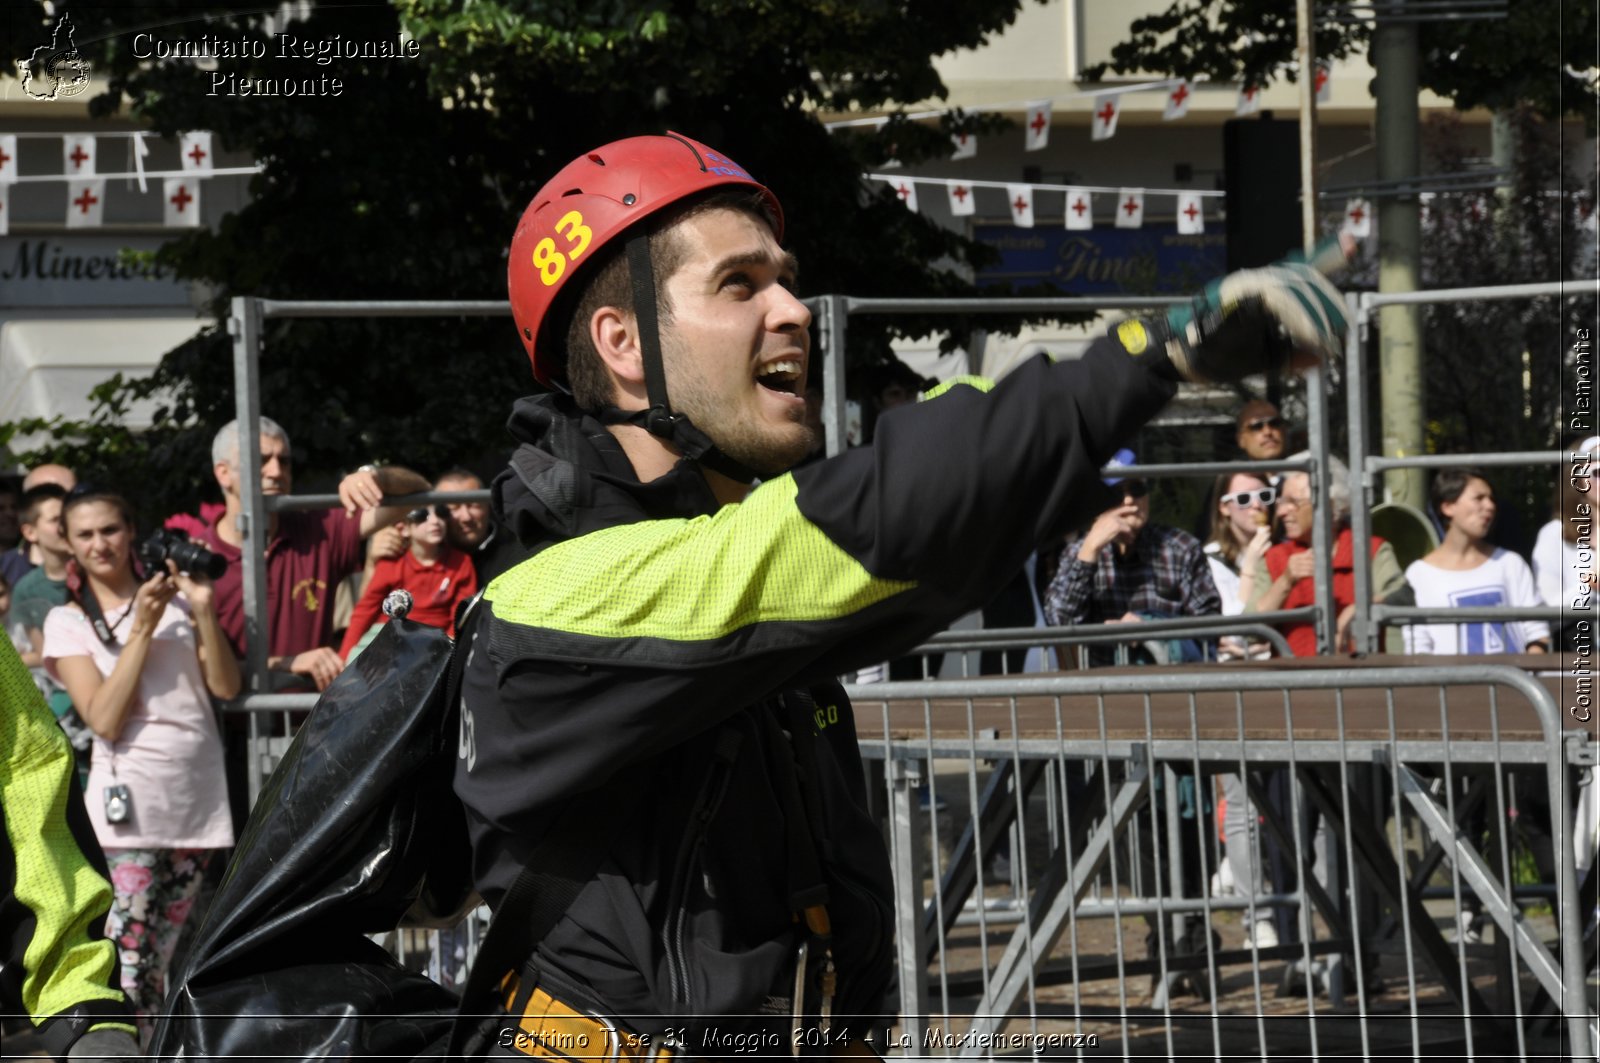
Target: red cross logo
78	156
904	192
1021	204
960	193
1080	206
4	158
1190	213
1107	113
1322	77
961	139
85	201
1131	206
182	199
1180	94
197	154
1356	214
1250	92
1038	123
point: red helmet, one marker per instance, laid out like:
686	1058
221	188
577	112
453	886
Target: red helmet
591	202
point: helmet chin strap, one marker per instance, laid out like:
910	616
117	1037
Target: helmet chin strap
658	419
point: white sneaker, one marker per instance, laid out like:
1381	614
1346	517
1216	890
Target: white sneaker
1470	923
1222	880
1261	935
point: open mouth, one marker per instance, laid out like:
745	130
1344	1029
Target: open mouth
782	376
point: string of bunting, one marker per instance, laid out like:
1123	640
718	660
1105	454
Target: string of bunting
86	186
1078	209
1107	110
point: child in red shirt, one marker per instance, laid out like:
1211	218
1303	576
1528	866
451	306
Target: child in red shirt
437	574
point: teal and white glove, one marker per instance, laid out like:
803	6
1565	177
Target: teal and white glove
1257	320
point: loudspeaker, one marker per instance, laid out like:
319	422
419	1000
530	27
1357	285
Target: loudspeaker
1261	180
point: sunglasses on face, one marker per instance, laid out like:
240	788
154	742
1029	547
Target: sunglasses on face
420	514
1265	495
1264	422
1134	488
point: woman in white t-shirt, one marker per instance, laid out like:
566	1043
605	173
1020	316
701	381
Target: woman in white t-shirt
1468	571
1241	531
141	660
1563	553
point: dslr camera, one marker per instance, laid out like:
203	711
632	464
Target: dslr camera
170	544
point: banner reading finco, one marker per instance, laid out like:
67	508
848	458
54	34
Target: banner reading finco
1102	261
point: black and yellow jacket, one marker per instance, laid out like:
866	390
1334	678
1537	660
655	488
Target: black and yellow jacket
649	640
57	965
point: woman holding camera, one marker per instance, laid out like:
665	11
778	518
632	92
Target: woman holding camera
139	656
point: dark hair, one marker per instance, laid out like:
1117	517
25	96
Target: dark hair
28	510
1449	483
85	493
609	284
1227	545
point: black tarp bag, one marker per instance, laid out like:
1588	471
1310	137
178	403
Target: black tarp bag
357	829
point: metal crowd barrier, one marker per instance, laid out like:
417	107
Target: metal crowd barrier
1075	781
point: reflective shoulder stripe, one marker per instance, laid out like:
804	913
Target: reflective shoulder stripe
981	383
695	579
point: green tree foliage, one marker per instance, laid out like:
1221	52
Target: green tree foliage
407	186
1540	54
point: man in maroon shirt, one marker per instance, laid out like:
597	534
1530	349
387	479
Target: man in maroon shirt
308	551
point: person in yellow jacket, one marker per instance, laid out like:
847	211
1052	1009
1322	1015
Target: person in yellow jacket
57	966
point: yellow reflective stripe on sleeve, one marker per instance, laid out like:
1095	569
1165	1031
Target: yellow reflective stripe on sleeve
55	881
690	580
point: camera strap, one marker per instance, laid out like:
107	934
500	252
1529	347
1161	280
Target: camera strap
97	618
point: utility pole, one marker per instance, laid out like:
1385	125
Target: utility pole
1308	123
1394	54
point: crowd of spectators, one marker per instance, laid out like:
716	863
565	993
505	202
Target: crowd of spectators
100	634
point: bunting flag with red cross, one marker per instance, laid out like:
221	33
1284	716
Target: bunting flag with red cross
86	203
1130	208
962	201
1323	83
1021	199
907	191
1357	219
195	149
1080	209
1037	127
180	206
77	154
5	209
1191	214
8	158
966	145
1177	102
1103	123
1249	101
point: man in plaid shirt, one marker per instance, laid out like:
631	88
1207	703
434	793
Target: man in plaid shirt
1126	569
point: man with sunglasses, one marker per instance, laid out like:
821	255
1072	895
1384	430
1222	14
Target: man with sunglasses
1125	569
1261	431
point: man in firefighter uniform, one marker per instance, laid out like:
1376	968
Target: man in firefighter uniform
653	685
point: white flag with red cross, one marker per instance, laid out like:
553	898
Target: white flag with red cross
1038	126
966	145
962	201
195	148
5	209
1323	83
1130	208
1103	123
1021	199
1249	101
1177	102
86	203
1191	214
1080	209
907	191
1357	219
77	155
180	207
8	158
